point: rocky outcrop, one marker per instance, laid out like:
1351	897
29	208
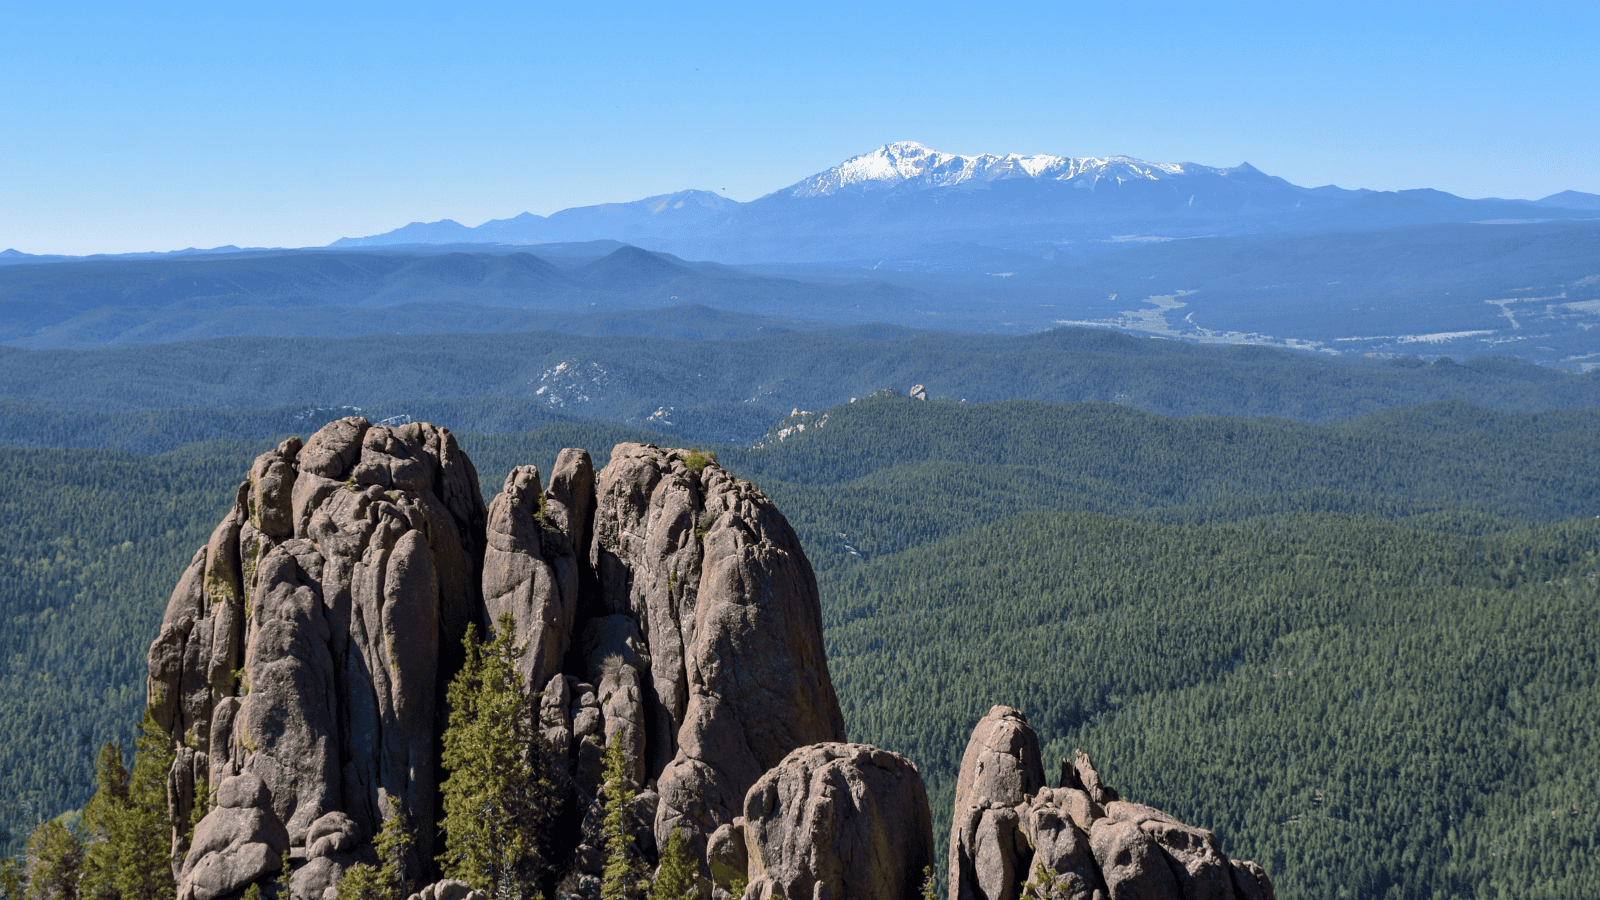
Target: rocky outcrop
303	645
664	607
448	889
662	602
1000	770
1009	827
835	821
696	642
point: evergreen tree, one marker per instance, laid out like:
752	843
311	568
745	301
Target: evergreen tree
285	878
394	846
11	881
1045	885
103	820
675	879
362	882
499	792
144	838
623	878
129	832
54	859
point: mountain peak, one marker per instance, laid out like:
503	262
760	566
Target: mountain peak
903	162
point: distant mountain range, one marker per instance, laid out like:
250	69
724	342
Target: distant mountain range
903	197
907	236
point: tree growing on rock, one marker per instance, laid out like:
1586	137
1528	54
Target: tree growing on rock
11	881
675	879
144	864
388	880
624	875
499	793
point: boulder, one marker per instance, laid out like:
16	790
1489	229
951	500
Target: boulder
331	834
448	889
1131	865
726	856
1250	881
836	820
1009	829
1193	855
233	845
320	875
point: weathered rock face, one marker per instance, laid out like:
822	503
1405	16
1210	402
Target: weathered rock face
531	562
733	671
238	842
303	645
836	821
1008	826
1000	770
663	604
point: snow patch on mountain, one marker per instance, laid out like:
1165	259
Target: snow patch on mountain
905	162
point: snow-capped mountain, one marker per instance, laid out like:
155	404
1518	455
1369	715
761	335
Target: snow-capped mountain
908	202
907	162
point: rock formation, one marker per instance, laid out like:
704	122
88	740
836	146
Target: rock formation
662	602
1008	825
836	821
303	644
664	606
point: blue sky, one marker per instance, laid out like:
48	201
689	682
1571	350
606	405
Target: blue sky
167	126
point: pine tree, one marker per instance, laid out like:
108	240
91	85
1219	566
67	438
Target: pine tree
129	832
103	819
394	845
144	840
12	884
362	882
285	878
499	793
675	879
623	878
54	858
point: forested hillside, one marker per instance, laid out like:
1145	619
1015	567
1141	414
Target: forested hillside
153	398
1363	652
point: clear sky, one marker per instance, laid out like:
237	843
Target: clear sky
128	127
